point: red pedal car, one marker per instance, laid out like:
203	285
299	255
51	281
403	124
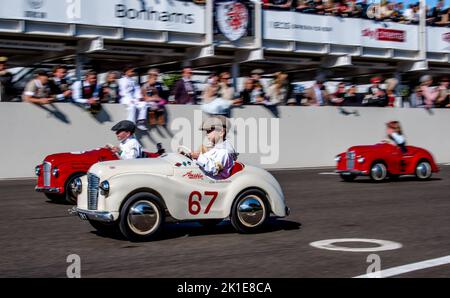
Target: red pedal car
59	171
384	160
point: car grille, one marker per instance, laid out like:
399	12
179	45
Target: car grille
351	160
93	182
47	167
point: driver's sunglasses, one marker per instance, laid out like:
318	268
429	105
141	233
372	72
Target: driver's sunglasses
208	131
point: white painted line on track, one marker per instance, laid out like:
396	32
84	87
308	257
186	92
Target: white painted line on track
382	245
407	268
328	173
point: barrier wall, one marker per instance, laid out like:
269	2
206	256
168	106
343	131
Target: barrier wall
300	137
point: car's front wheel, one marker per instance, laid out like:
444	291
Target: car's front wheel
378	172
141	217
250	211
423	170
69	196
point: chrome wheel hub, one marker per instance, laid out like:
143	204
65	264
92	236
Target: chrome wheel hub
423	170
251	211
143	217
379	171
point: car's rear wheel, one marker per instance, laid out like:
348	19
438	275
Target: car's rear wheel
378	171
103	228
250	211
69	196
141	217
348	177
423	170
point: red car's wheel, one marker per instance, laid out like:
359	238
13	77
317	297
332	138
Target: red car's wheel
378	171
69	196
423	170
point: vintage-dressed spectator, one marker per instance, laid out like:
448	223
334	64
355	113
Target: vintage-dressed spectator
88	92
185	90
131	96
110	88
443	98
59	87
5	80
37	90
246	93
226	89
429	93
376	95
211	88
317	95
278	92
155	95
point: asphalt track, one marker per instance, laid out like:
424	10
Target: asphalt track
36	236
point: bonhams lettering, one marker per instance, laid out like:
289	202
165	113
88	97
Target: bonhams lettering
150	14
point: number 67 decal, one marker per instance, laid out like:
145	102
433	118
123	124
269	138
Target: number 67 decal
194	201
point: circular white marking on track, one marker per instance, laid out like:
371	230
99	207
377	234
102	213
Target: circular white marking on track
382	245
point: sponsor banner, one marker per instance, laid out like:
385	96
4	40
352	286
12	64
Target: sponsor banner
287	25
438	39
174	15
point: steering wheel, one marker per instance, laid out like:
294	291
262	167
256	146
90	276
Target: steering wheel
184	151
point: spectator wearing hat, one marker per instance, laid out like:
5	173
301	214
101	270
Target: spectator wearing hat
129	147
429	93
154	94
131	96
376	95
218	161
59	87
5	80
184	91
37	90
88	92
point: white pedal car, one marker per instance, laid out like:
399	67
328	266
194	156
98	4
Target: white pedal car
136	196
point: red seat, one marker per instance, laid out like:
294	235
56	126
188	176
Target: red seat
237	167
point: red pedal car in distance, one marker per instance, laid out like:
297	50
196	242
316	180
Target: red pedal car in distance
59	171
384	160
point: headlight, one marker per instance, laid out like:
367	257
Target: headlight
77	186
37	170
104	188
55	172
337	158
361	159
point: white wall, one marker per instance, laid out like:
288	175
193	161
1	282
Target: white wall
308	137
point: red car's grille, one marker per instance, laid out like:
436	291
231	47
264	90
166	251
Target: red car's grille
351	160
47	168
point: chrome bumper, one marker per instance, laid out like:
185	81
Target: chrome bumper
102	216
48	189
351	172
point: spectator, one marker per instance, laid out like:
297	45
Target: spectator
5	80
302	5
278	91
338	97
131	95
155	95
111	88
246	93
37	90
258	95
350	97
443	98
277	4
88	92
429	94
59	87
376	95
444	18
416	99
391	84
185	91
317	95
226	90
211	89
